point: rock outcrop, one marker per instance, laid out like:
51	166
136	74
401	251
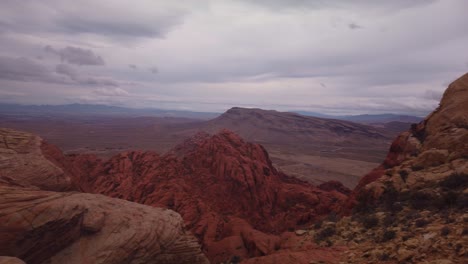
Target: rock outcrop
23	163
414	207
227	190
41	222
62	227
430	152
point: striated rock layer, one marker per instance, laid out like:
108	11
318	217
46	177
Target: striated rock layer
62	227
22	162
41	224
227	190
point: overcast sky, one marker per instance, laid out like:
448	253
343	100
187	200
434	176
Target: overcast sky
325	56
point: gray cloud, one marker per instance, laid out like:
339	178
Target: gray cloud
154	70
26	70
113	19
111	92
66	70
353	26
98	81
394	5
433	95
69	71
117	28
132	66
77	56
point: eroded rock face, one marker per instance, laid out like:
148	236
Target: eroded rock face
61	227
227	191
41	226
23	163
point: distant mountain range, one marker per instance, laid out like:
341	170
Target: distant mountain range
102	110
106	110
367	118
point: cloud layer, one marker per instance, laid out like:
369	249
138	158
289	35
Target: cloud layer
74	55
324	56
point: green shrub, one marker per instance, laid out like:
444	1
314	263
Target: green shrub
449	199
318	224
390	197
390	220
403	175
455	181
388	235
416	167
465	231
421	200
332	217
325	233
421	222
462	201
365	203
370	221
445	231
235	259
384	257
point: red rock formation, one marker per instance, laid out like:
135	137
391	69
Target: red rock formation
227	191
55	226
334	186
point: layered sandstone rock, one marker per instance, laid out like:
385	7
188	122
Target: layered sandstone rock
40	226
23	163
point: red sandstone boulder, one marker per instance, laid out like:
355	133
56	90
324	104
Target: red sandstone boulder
61	227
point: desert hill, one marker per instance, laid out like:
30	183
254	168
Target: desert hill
272	126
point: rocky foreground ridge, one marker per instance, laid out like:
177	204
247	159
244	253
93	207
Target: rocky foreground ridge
42	220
